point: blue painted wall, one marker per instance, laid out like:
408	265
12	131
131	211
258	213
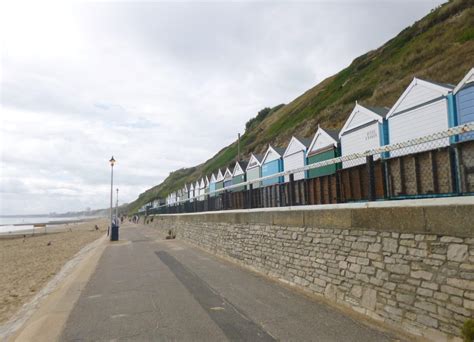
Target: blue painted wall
452	116
384	137
212	187
465	109
271	168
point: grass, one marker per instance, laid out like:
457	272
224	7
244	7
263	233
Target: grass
438	47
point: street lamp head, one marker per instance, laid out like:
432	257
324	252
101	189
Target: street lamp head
112	161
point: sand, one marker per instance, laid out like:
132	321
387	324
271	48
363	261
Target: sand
27	264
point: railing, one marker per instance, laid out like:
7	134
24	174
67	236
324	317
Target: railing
440	164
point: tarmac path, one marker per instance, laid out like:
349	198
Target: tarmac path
148	289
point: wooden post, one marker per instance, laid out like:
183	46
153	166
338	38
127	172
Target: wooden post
417	174
291	190
454	169
434	171
306	192
249	197
370	169
402	175
338	187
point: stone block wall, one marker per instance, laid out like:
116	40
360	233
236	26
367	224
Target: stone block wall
420	280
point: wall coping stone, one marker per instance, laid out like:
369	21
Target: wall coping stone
425	217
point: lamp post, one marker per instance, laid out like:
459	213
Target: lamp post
112	162
116	206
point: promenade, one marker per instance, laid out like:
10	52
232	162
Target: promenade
147	288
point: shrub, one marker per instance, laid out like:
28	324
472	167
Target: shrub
468	330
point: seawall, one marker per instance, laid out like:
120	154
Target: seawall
410	267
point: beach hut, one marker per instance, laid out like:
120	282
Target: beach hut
295	156
324	146
272	163
365	129
227	178
422	109
219	181
202	189
238	175
206	185
191	192
172	198
185	192
212	184
197	190
464	95
254	169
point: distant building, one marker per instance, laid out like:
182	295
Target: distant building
295	156
324	146
464	94
422	109
272	163
365	129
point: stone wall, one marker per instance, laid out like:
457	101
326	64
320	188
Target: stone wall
412	268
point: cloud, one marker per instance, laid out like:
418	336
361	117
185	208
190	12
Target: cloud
158	85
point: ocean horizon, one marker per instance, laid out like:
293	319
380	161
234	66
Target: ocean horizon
19	223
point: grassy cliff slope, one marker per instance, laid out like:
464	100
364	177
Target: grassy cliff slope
438	47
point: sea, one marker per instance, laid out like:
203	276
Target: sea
19	224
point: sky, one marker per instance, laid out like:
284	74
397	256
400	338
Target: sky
158	85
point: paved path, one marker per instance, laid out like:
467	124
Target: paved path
149	289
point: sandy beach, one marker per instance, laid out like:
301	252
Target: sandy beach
27	264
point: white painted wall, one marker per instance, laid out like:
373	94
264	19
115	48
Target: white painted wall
360	118
294	146
271	156
322	141
238	170
294	161
418	123
417	95
360	140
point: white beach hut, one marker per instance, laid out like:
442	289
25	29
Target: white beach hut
295	156
191	192
365	129
421	110
202	189
254	169
197	190
206	185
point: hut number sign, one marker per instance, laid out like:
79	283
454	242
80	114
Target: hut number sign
372	134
